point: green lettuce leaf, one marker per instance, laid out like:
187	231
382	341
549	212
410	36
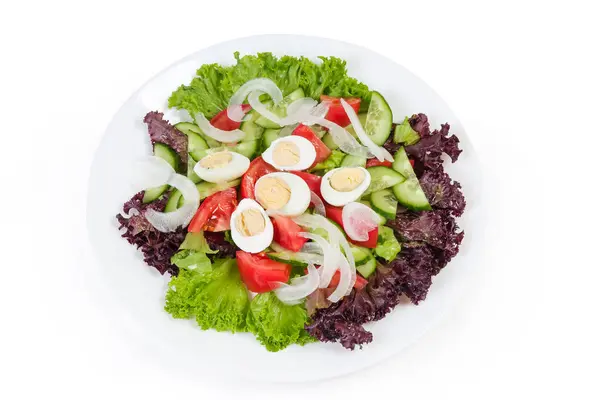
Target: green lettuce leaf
275	324
190	259
387	244
214	84
196	241
333	161
215	296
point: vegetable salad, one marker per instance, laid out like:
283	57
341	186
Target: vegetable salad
291	206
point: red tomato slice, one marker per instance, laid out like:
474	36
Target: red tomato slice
286	233
258	167
215	211
358	284
322	150
412	163
335	214
313	181
260	273
336	111
373	162
222	121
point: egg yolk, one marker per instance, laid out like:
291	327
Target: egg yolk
250	222
216	160
286	154
347	179
273	193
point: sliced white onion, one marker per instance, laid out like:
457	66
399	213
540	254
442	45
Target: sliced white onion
263	84
168	222
336	238
346	282
151	172
331	256
359	220
218	134
318	203
302	106
379	152
287	130
346	142
236	112
304	256
311	247
259	107
132	212
300	287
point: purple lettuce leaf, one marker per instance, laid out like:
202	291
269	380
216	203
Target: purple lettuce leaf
442	192
217	241
429	149
157	247
162	131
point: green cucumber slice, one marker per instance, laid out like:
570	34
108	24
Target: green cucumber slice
410	195
383	178
367	268
169	155
353	161
173	202
385	203
378	124
361	254
205	189
269	136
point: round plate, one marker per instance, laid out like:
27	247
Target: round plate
133	293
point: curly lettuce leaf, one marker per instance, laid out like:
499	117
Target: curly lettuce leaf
387	244
333	161
196	241
275	324
191	259
214	84
215	296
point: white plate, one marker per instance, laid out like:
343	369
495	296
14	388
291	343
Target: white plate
134	293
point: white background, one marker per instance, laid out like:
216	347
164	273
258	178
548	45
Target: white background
523	77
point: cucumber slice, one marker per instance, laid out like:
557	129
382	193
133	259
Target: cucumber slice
281	109
383	178
367	268
247	149
252	130
402	164
382	219
173	202
286	258
169	155
379	119
385	203
190	172
353	161
196	146
269	136
328	140
410	195
361	254
207	188
187	127
404	133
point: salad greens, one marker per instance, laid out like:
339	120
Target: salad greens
387	244
214	84
277	325
226	286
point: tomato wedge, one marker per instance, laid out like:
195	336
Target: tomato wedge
260	273
215	211
222	121
313	181
322	150
335	214
286	233
258	167
373	162
336	111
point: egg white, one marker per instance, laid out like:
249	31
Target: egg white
256	243
308	154
237	167
300	194
337	198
